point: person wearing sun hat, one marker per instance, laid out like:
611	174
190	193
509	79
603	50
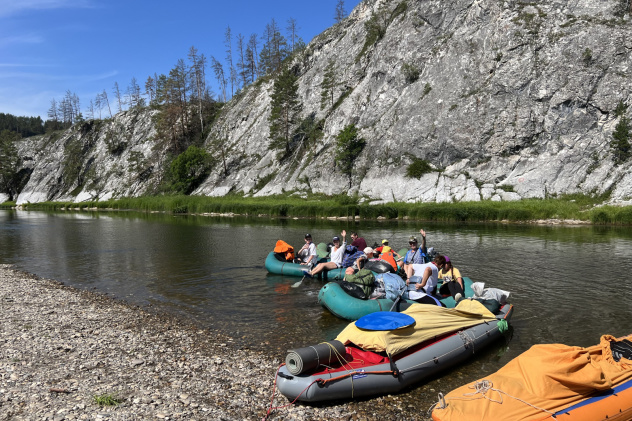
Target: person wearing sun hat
337	253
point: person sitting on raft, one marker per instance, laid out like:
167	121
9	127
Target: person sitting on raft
336	256
416	255
426	276
388	255
452	281
307	254
360	261
358	242
378	250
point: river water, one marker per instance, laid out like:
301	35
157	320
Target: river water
568	284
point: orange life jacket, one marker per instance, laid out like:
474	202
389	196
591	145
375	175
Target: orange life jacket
390	258
285	249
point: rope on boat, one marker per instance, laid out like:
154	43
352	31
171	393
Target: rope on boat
481	389
271	408
466	340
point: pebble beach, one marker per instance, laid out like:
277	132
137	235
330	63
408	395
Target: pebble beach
69	354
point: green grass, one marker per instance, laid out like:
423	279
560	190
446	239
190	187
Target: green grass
320	206
106	400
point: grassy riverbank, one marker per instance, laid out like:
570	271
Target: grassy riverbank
575	207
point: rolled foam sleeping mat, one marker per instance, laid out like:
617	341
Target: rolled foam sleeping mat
305	359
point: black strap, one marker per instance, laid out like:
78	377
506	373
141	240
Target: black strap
394	368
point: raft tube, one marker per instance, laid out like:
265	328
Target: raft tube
339	303
278	267
413	366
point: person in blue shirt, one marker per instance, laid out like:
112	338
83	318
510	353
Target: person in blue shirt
416	255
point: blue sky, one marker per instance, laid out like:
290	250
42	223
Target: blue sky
50	46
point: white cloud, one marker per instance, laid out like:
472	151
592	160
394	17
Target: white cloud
12	7
21	39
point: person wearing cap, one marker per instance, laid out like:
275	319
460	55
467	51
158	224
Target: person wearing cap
359	263
378	250
388	254
307	254
416	255
336	255
358	242
452	280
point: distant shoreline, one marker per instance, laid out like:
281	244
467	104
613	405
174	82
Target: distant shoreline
571	210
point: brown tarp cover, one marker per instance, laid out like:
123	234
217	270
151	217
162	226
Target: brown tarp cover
430	322
546	377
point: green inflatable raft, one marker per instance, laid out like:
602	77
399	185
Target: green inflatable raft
338	302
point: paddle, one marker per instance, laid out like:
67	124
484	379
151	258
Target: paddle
399	297
297	284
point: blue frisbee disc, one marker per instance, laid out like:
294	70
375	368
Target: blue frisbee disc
384	320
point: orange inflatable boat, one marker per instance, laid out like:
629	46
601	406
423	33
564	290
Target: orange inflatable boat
550	382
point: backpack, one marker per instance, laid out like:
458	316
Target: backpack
283	249
364	278
349	259
353	290
393	285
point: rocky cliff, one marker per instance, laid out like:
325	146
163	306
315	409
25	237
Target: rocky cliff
505	100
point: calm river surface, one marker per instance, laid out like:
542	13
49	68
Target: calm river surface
568	284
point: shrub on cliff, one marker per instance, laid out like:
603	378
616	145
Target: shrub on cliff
189	169
417	168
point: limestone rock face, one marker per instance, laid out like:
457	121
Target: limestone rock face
95	160
511	101
505	100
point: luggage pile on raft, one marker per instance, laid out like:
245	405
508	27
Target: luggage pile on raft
369	360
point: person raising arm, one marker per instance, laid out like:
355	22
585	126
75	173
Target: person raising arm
337	253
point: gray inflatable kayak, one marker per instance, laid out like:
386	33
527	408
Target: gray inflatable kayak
376	374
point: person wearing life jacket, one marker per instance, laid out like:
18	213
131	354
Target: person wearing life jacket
307	254
388	254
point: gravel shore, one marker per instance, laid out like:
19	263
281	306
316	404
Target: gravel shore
65	352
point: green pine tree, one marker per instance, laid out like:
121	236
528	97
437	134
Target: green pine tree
621	141
9	162
348	147
328	85
285	111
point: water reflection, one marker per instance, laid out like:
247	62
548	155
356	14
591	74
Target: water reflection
569	284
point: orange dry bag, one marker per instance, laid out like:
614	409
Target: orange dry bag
285	249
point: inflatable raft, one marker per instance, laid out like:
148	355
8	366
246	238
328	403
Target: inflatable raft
334	298
378	363
281	267
553	382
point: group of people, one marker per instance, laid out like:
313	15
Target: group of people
422	277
